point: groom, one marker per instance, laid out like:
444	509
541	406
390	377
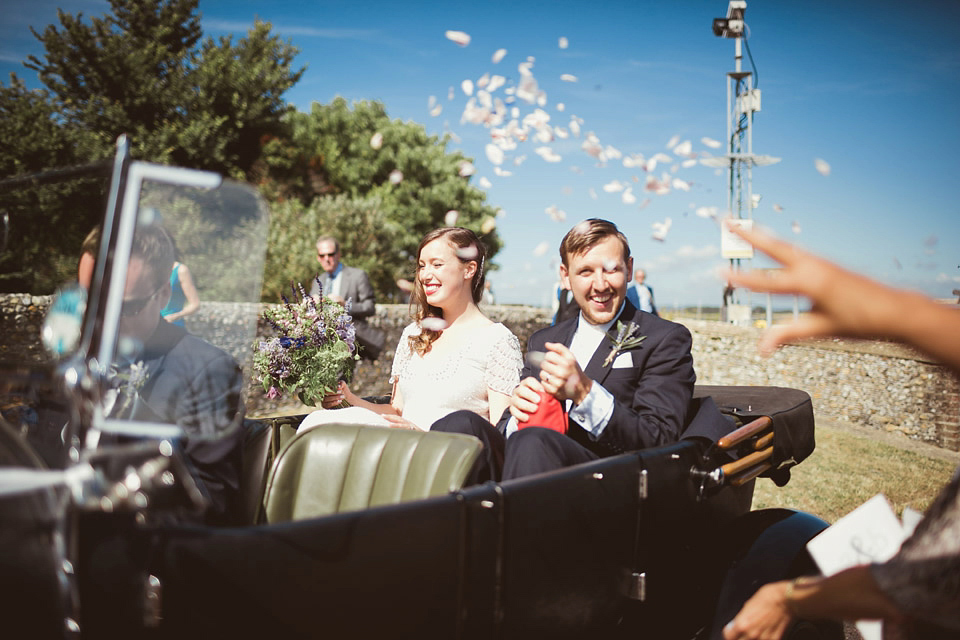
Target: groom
637	398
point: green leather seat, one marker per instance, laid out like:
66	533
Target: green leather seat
336	468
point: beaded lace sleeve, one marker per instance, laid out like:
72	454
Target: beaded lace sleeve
401	358
504	364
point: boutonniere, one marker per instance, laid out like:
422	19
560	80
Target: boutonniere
626	339
130	381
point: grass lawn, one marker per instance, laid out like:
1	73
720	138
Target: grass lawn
849	467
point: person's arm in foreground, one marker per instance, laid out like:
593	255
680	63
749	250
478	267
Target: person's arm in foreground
851	594
848	304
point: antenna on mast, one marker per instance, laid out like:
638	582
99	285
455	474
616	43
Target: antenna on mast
743	100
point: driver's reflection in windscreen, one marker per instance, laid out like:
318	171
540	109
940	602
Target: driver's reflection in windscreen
165	374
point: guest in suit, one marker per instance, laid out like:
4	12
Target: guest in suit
638	398
640	294
342	283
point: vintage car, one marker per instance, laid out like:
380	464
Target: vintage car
350	530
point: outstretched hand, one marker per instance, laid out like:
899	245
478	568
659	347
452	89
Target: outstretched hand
844	303
338	397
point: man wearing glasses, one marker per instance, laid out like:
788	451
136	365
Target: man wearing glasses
171	376
342	283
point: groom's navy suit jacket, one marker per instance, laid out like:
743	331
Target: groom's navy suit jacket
653	393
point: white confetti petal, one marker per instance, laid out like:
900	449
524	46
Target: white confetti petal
450	219
484	183
592	192
673	142
535	358
450	93
660	229
376	140
494	154
437	110
568	77
467	87
778	208
710	142
610	265
707	212
468	253
556	214
396	176
822	166
503	173
466	169
795	227
644	203
433	324
498	55
685	148
560	106
495	83
548	154
458	37
488	225
613	186
682	185
628	197
562	42
690	162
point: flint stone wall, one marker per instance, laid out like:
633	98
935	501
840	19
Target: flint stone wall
878	384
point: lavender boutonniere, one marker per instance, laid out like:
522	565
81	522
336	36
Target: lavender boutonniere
626	339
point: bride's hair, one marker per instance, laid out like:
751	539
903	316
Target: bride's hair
469	249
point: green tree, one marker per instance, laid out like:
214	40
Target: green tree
333	155
141	70
368	240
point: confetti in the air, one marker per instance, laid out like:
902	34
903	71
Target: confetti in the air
467	87
614	186
706	212
541	249
396	176
795	227
458	37
822	166
710	142
498	56
628	197
494	154
556	214
562	42
488	225
467	253
535	358
503	173
376	141
433	324
660	229
466	169
484	183
450	219
568	77
548	154
778	208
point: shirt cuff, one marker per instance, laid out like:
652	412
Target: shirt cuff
511	427
595	411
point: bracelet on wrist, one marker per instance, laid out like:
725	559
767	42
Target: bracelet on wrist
788	596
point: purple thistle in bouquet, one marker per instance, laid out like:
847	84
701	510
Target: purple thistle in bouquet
313	349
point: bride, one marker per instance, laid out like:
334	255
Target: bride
451	357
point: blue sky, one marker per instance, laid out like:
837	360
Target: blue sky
872	88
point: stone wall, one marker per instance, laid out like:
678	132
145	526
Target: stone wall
878	384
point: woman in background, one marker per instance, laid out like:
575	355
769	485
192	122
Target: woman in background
184	299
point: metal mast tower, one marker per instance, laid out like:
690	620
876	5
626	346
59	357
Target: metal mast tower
743	100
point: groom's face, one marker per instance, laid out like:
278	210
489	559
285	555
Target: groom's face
598	278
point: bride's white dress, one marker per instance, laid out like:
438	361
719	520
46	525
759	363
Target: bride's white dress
434	385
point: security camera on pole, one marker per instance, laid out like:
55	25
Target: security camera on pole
743	100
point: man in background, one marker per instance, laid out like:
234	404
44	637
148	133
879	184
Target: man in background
640	294
341	283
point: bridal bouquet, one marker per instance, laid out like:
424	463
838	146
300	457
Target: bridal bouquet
314	348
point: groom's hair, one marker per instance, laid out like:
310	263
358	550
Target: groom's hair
585	235
153	244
